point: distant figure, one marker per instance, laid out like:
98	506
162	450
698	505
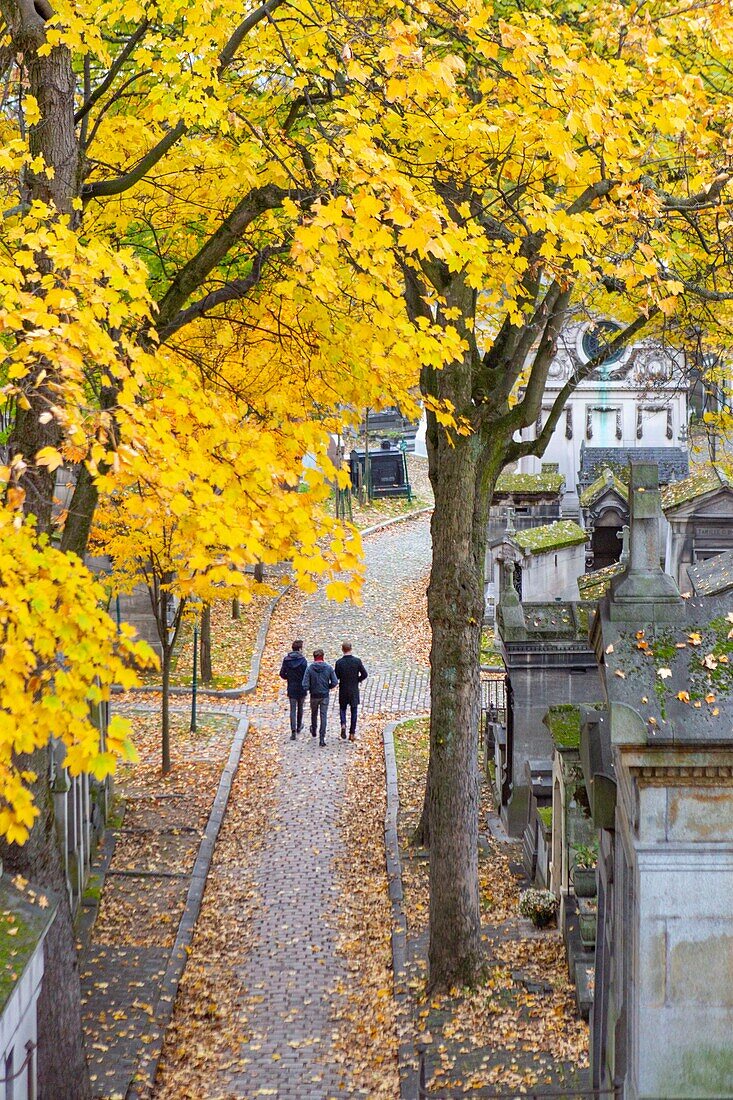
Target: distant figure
293	670
350	672
319	680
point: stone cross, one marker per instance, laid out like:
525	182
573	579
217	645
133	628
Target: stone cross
507	588
644	579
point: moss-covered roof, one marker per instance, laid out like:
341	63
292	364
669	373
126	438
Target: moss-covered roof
546	483
705	480
594	585
563	722
606	480
549	537
25	913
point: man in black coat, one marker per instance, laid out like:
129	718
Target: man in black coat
293	669
350	672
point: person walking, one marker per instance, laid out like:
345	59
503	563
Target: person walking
293	670
350	672
319	680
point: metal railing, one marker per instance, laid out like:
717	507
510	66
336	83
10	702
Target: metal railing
26	1069
493	699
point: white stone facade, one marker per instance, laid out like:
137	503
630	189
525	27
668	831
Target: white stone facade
637	400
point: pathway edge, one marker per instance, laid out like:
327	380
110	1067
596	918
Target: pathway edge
405	518
405	1050
145	1074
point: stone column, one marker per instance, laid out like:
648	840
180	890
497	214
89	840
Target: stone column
674	877
644	578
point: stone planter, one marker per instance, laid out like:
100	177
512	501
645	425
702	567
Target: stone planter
587	919
584	882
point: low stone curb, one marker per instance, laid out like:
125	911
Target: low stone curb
405	1051
144	1080
396	519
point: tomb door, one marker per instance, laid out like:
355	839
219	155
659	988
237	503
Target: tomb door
606	541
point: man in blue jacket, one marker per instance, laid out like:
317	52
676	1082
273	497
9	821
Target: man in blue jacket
319	680
293	670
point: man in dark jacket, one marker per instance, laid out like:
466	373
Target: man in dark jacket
293	670
350	672
319	680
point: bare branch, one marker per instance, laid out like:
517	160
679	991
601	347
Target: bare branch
114	69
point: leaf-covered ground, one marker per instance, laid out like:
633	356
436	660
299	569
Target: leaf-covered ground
520	1028
367	1025
157	825
232	644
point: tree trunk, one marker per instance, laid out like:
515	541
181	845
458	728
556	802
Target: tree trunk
236	609
207	674
81	513
421	836
62	1069
455	610
165	729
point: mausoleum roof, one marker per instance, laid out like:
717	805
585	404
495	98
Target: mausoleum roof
668	660
550	537
592	586
26	913
673	462
605	481
713	576
563	722
547	483
706	479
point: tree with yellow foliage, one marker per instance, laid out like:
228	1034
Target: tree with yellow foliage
206	490
141	194
60	654
504	169
449	184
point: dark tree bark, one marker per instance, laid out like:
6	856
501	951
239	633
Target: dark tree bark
462	470
82	507
165	727
207	674
421	836
236	609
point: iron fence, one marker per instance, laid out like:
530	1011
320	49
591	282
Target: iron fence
493	699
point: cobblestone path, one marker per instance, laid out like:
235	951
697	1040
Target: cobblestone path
291	975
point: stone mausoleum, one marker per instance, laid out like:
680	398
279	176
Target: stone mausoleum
662	760
635	400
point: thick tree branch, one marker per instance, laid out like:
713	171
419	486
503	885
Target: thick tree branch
232	291
587	197
710	196
213	251
526	411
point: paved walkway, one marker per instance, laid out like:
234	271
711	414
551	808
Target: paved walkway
290	976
